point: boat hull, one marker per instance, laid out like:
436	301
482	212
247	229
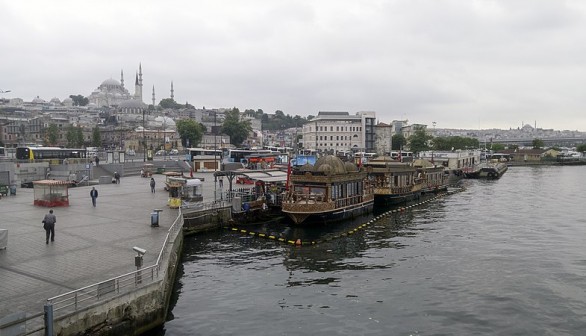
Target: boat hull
333	215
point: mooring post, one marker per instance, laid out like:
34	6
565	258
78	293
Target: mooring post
48	308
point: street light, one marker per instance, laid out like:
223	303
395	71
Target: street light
143	139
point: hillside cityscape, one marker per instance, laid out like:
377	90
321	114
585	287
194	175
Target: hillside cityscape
112	117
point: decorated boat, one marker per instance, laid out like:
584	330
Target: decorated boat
394	182
326	191
434	177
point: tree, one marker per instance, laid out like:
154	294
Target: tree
74	137
418	142
454	142
79	100
52	135
236	129
537	143
169	103
497	147
190	132
96	137
398	141
581	148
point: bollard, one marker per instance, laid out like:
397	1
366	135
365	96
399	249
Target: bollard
48	308
155	217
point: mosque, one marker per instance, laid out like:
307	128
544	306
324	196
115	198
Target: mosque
112	93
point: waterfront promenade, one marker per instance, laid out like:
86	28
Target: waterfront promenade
91	244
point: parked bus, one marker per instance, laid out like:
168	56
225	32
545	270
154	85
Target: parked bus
240	155
43	153
199	152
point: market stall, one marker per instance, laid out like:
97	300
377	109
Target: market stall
51	193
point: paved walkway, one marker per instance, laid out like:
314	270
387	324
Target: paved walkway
91	244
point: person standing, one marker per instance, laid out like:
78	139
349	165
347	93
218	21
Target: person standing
94	195
97	160
49	226
117	177
152	185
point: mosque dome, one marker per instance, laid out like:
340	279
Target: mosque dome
168	122
110	82
336	166
55	100
308	167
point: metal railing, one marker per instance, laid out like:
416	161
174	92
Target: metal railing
81	298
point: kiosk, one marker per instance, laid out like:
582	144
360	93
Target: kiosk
51	193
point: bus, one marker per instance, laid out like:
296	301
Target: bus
43	153
240	155
200	152
282	150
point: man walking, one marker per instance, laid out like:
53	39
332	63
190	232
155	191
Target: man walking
117	177
94	195
152	185
49	226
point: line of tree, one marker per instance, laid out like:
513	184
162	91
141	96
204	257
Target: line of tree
421	141
74	137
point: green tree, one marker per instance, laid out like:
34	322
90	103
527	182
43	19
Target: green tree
74	137
419	141
497	147
190	132
236	129
454	142
581	148
96	137
79	100
537	143
52	135
169	103
398	141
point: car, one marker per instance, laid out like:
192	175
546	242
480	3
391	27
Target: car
173	152
160	153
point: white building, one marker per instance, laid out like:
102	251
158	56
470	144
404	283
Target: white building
340	132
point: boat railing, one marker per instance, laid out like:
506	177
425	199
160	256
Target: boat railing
347	201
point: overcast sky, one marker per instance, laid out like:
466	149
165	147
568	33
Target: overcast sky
459	63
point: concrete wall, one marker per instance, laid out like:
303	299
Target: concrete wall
197	221
129	314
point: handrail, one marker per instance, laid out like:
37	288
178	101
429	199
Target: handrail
117	285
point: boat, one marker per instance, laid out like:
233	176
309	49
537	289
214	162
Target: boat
434	177
487	170
394	182
327	191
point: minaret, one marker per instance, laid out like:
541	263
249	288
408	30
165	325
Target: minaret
172	92
153	96
122	78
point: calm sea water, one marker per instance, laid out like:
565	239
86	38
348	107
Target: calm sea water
505	257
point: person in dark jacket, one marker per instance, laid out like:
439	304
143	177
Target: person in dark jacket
94	195
152	185
117	177
49	226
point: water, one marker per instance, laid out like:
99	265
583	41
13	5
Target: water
502	257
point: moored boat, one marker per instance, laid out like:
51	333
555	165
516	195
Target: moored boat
327	191
487	170
394	182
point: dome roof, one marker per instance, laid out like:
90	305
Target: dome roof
325	168
67	100
165	120
38	100
350	167
55	100
336	166
132	103
308	167
110	81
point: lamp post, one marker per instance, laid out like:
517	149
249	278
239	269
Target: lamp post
215	157
143	140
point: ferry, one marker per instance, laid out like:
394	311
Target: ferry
327	191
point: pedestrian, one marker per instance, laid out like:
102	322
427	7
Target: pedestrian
49	226
221	182
152	185
97	161
94	195
117	177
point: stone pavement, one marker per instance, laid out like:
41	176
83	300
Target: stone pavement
91	244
